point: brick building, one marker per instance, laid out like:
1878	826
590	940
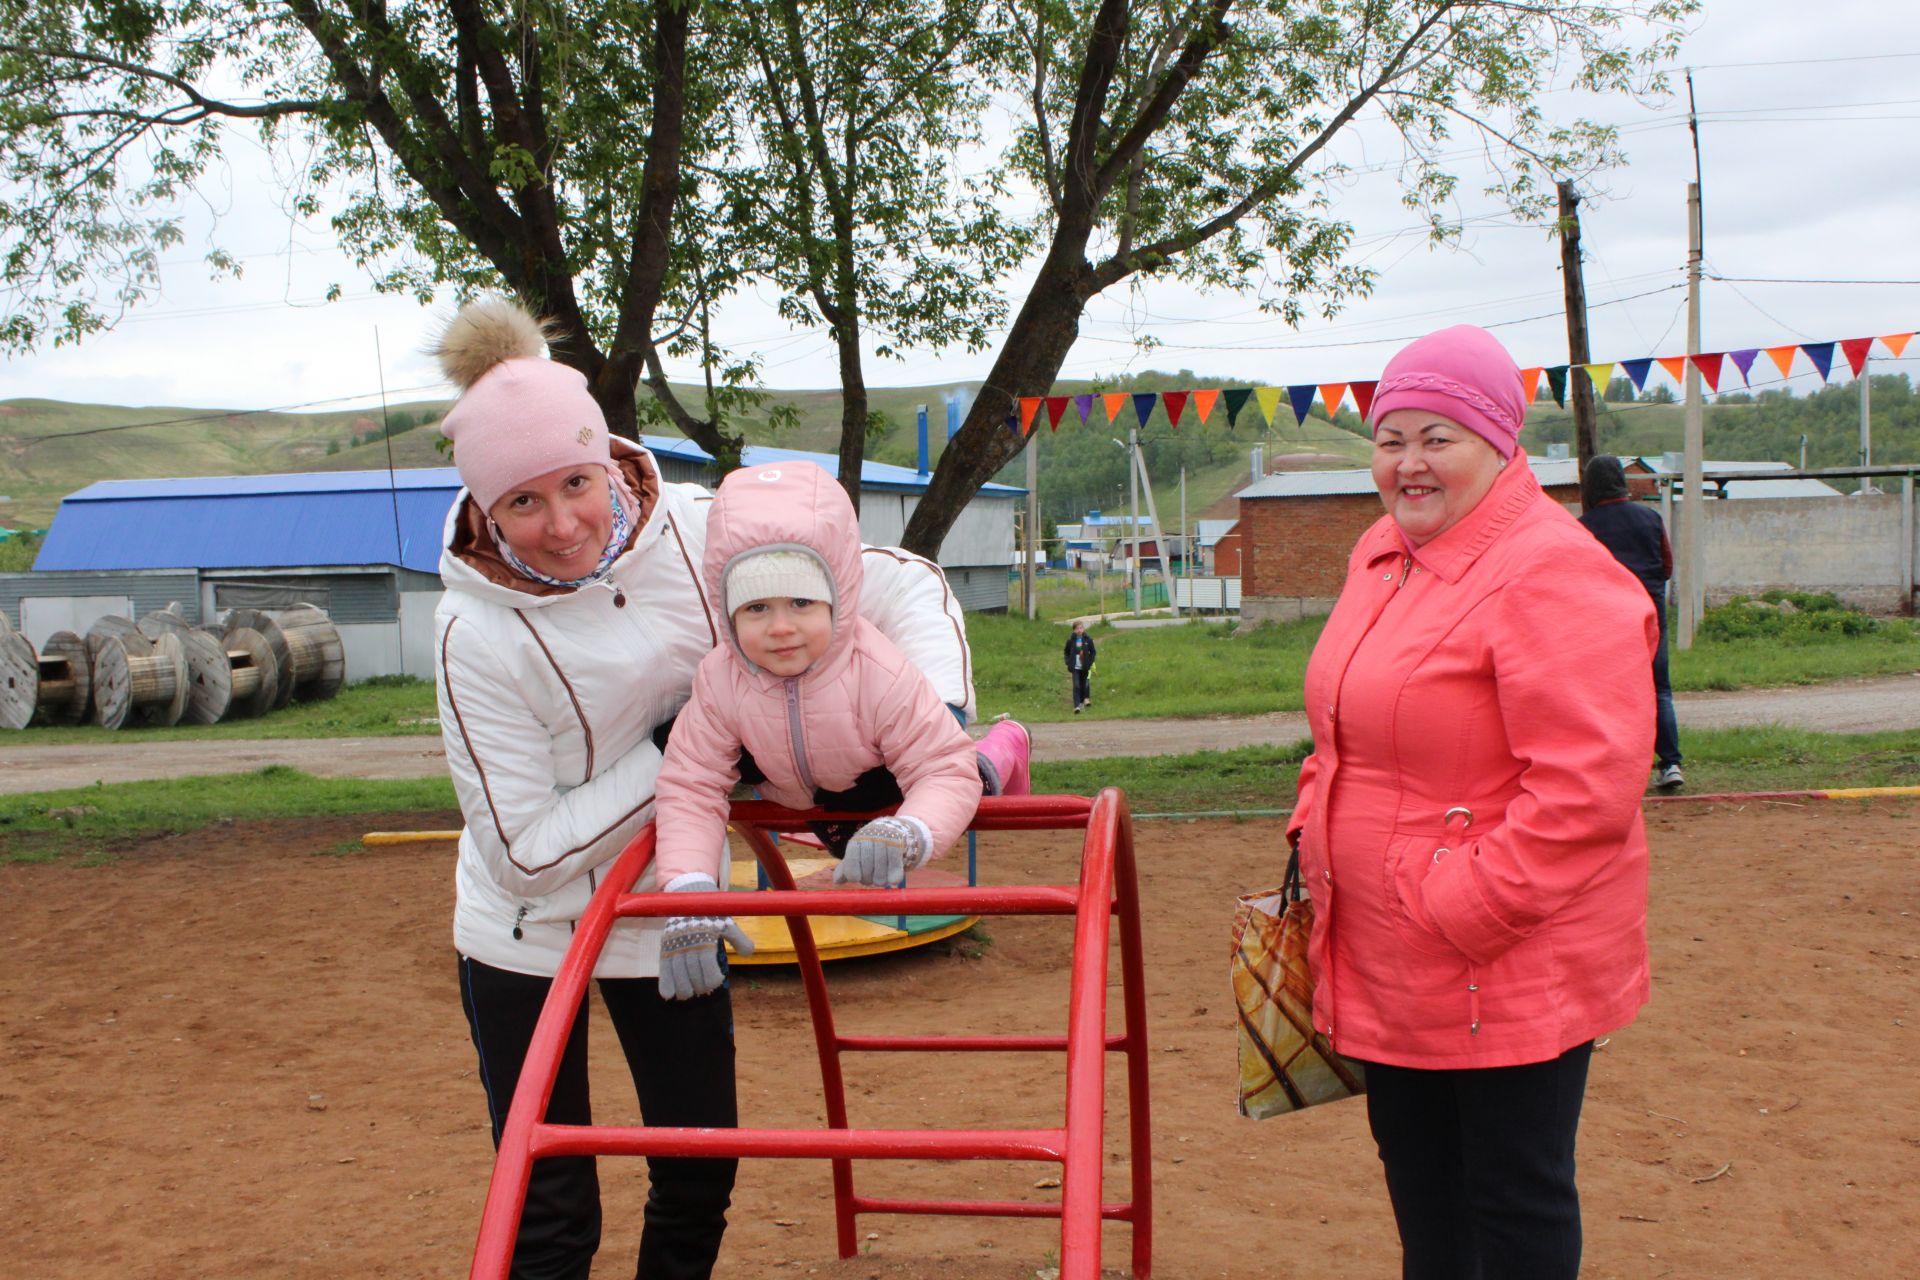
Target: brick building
1296	529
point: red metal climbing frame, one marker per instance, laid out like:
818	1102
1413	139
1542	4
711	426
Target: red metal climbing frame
1106	891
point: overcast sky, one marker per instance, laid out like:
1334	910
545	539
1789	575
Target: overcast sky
1810	135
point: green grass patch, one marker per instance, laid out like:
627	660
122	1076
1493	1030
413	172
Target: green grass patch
1792	638
1244	778
88	821
386	706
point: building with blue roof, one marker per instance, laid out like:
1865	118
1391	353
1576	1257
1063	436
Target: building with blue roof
365	547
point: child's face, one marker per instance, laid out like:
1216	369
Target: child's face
784	636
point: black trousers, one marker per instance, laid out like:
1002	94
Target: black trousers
1479	1166
681	1055
1082	686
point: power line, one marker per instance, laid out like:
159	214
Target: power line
221	413
1804	62
1797	280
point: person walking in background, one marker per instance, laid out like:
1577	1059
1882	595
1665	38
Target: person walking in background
1469	820
1637	537
1080	656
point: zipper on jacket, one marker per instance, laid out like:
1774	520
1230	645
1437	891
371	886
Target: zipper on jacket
797	734
1473	999
518	917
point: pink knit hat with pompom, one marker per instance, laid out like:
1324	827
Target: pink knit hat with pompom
1462	373
520	415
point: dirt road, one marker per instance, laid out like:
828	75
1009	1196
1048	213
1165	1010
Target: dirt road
1847	706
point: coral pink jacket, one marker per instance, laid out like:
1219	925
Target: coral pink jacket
1469	820
861	705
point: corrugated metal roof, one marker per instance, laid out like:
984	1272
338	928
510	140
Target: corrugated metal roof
1795	488
313	518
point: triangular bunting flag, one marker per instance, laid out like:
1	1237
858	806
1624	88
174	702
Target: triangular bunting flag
1085	405
1056	409
1332	395
1363	397
1268	398
1637	370
1143	402
1300	396
1856	350
1530	378
1598	376
1013	425
1557	383
1029	405
1782	358
1708	363
1743	360
1203	405
1821	353
1176	402
1676	367
1236	398
1115	402
1896	342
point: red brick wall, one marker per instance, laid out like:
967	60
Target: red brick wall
1299	546
1226	556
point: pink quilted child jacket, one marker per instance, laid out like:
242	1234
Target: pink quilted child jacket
861	705
1469	820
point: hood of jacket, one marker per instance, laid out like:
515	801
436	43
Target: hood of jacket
1604	481
791	505
470	558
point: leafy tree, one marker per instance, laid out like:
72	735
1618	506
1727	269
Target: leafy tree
537	147
1619	391
1197	140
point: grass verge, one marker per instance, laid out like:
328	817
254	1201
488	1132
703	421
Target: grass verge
88	822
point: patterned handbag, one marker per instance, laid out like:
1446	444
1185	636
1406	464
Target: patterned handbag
1284	1063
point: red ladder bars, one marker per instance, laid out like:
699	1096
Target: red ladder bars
1106	890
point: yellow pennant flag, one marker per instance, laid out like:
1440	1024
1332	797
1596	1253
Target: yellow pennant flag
1115	401
1599	375
1269	399
1782	358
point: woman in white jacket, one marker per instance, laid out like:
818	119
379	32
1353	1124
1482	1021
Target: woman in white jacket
573	620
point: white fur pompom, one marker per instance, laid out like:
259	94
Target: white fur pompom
484	333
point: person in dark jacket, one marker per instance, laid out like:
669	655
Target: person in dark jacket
1638	539
1080	656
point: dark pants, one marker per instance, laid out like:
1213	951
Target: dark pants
1479	1166
1082	687
681	1055
1666	726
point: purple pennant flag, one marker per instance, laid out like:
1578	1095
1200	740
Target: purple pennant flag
1637	370
1143	403
1743	360
1821	353
1085	405
1301	398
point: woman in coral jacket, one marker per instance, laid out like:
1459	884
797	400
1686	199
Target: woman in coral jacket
1469	820
573	621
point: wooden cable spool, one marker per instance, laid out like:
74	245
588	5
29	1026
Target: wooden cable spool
66	680
209	674
254	674
112	628
155	682
264	626
319	662
19	679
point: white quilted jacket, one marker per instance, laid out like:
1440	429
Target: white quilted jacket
548	704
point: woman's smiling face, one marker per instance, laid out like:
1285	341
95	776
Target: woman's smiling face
1430	471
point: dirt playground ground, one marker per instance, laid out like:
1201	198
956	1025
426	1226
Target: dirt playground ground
239	1054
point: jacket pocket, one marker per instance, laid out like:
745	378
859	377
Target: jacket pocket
1409	861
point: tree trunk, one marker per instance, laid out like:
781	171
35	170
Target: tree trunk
853	406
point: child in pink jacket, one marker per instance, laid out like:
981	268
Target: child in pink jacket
818	698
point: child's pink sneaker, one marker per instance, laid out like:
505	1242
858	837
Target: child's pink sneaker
1004	753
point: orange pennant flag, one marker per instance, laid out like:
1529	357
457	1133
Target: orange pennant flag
1599	375
1530	378
1268	399
1674	365
1896	342
1332	396
1203	405
1115	401
1708	363
1782	358
1029	405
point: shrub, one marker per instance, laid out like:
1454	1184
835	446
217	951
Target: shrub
1794	617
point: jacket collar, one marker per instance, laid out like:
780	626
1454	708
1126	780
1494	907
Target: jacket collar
1450	555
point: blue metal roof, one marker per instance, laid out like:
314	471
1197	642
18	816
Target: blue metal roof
313	518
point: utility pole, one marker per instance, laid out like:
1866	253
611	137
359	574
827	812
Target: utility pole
1866	430
1028	587
1693	515
1159	537
1585	431
1133	527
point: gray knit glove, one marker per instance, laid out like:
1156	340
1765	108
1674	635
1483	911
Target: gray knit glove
690	945
882	852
